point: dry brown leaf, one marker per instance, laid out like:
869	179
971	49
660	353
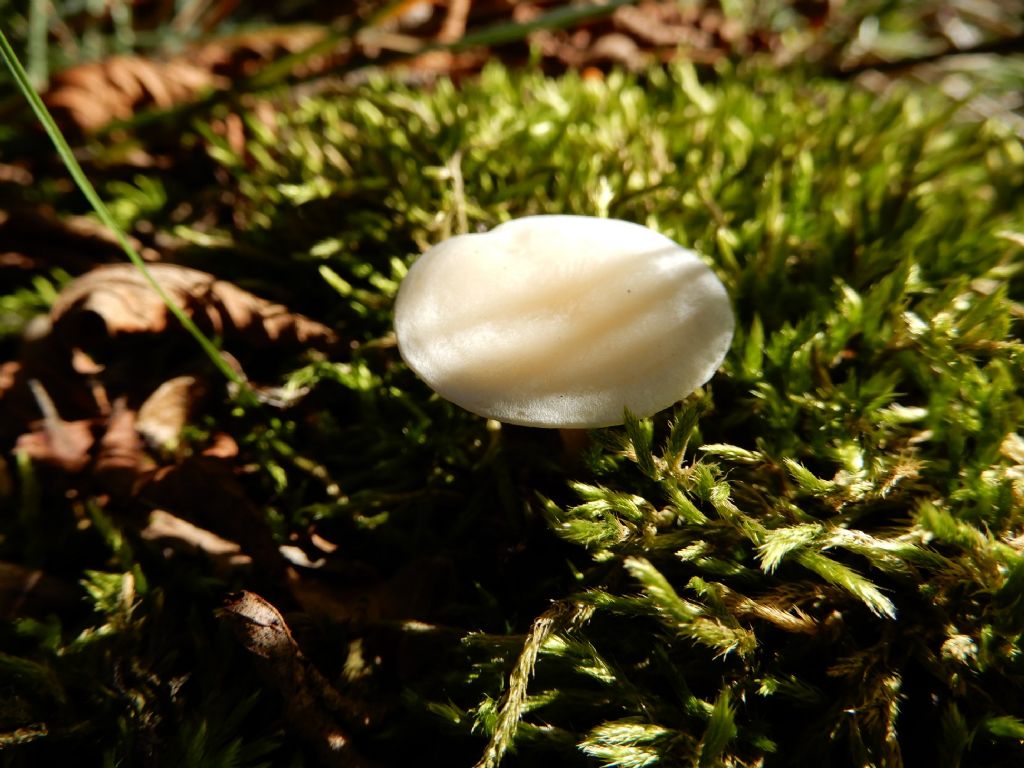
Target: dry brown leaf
41	362
204	490
298	557
260	626
163	525
312	704
54	441
635	34
325	546
83	363
9	375
125	303
454	26
14	173
87	97
618	48
334	599
414	592
121	463
172	533
64	444
245	53
222	446
164	414
35	239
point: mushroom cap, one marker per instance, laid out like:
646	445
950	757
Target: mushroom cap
562	321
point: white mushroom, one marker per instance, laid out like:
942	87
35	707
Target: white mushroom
563	321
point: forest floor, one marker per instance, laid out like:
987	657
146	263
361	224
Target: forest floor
253	537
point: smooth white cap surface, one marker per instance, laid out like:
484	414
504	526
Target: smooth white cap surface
562	321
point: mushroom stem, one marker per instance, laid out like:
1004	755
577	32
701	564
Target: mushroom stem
574	441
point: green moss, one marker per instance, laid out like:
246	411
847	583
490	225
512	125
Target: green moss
816	560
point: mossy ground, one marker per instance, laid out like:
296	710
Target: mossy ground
817	560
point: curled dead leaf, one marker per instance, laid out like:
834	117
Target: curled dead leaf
65	445
121	464
222	446
312	704
204	490
89	96
122	301
54	441
260	626
176	535
350	594
35	239
165	413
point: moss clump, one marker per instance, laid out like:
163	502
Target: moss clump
815	561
